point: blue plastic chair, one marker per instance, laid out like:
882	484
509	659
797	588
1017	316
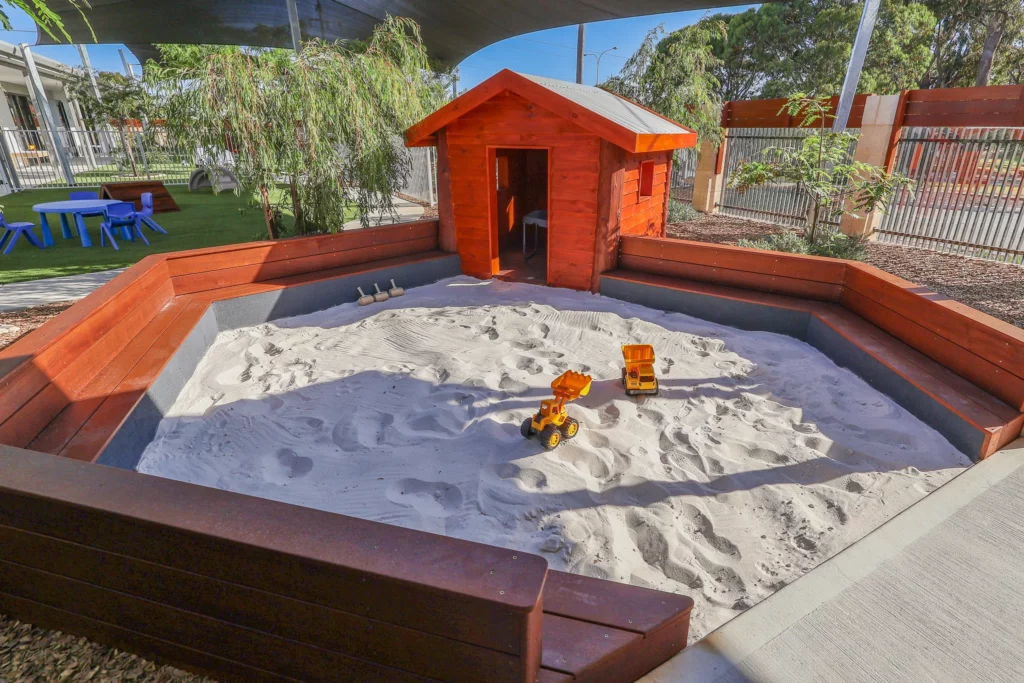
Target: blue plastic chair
146	215
86	194
12	231
120	216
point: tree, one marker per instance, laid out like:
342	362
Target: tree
821	168
122	101
327	121
675	77
44	17
998	16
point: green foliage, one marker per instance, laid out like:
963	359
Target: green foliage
805	45
820	167
681	212
675	76
328	120
44	17
120	98
830	244
961	35
787	241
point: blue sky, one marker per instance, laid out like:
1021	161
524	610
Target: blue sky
552	53
544	53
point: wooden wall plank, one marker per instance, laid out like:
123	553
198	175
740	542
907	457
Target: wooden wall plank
334	561
304	622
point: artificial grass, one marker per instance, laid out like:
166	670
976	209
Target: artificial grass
205	220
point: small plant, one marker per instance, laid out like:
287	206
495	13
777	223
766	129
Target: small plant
681	212
787	241
831	244
821	168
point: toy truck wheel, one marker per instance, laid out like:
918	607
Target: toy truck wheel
526	429
570	428
623	378
550	437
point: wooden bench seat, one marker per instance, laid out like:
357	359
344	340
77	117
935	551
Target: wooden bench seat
78	418
988	423
243	588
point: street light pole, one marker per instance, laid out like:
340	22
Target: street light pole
598	57
581	33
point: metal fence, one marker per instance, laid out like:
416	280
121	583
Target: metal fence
684	171
784	203
421	183
968	195
94	157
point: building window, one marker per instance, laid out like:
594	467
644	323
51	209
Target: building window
646	178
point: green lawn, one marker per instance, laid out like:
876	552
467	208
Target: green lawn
205	220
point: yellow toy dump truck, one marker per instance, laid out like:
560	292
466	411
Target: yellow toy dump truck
638	376
553	422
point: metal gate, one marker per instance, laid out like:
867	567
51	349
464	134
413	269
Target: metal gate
783	203
968	195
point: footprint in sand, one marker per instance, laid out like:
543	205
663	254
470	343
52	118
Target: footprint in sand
703	529
529	365
361	430
531	479
586	462
429	498
510	385
295	466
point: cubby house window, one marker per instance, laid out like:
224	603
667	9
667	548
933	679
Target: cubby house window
646	178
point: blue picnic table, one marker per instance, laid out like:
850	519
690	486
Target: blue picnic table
79	208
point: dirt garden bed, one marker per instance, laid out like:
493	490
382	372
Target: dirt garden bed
35	655
995	288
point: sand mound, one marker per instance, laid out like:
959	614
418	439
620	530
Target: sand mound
760	458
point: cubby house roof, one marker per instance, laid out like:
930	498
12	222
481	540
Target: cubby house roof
607	115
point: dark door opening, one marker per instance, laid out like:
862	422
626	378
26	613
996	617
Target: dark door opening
521	184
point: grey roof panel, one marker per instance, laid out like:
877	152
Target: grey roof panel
611	107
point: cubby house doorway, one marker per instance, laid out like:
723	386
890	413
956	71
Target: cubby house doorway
520	221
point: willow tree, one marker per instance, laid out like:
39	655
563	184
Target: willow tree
326	122
675	76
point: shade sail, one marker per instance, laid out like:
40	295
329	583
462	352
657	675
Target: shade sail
452	29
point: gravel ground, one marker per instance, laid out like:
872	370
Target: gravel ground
34	655
17	323
994	288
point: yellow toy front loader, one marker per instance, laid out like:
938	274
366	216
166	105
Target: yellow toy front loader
553	422
638	374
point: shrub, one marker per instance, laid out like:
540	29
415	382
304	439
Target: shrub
787	241
681	212
829	244
838	245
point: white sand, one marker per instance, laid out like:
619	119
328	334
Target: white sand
759	460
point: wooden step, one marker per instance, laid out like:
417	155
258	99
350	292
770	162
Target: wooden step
992	422
599	631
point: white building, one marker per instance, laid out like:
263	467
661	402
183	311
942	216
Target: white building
27	156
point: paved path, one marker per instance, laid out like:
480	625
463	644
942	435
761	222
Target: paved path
407	211
18	295
934	594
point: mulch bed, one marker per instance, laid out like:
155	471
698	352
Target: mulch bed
27	320
34	655
994	288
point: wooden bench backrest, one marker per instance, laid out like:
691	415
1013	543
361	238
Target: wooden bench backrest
272	586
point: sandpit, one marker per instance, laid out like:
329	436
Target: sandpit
760	459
